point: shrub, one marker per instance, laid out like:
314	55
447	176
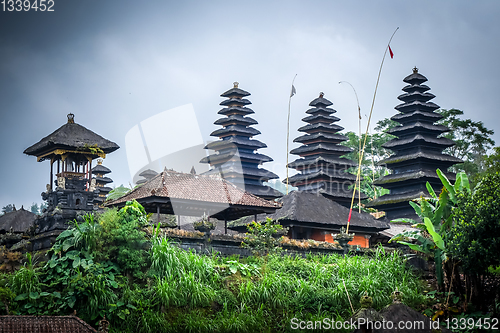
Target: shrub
123	240
264	237
475	236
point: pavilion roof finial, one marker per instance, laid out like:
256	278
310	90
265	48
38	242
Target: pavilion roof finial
235	84
415	70
321	94
71	118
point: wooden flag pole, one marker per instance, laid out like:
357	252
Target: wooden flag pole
288	130
359	150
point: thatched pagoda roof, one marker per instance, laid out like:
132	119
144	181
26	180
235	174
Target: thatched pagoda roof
101	169
148	173
71	136
17	221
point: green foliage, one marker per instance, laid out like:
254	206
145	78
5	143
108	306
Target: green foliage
8	208
117	192
170	261
374	153
471	138
373	147
94	149
122	239
204	224
437	217
247	270
34	208
185	291
82	236
25	280
84	269
74	279
491	164
264	237
475	236
472	141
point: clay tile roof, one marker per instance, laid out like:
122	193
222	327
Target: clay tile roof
44	324
19	220
211	189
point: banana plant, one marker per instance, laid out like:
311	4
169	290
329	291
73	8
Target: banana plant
435	213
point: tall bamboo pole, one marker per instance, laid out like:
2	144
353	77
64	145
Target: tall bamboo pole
368	127
292	92
359	150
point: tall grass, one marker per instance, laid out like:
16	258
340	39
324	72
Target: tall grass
312	284
26	280
188	292
169	261
183	277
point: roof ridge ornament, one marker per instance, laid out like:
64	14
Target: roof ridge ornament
71	118
235	84
321	94
415	70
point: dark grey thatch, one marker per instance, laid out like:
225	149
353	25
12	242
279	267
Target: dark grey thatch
17	221
314	210
44	324
322	169
71	136
148	174
418	151
100	169
236	147
235	92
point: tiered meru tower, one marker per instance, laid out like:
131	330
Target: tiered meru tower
235	156
321	167
418	151
101	182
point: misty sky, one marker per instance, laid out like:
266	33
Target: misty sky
115	63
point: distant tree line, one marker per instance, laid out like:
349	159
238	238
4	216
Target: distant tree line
34	208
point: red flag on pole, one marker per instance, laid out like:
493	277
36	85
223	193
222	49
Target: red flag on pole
390	52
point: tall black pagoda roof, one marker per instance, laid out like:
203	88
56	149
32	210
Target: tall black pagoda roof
101	181
100	169
418	150
71	136
235	155
322	167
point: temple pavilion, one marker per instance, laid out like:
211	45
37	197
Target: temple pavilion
186	194
314	216
235	154
70	193
318	208
418	151
322	169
